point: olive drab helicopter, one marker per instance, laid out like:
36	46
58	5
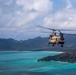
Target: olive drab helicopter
56	39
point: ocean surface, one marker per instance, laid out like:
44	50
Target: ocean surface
25	63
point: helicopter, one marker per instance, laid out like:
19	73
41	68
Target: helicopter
56	39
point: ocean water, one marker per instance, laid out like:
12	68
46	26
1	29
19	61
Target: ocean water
25	63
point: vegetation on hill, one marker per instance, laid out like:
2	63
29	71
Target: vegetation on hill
37	43
64	57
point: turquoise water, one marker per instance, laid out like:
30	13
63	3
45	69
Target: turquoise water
25	63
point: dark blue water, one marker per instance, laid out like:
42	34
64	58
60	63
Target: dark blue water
25	63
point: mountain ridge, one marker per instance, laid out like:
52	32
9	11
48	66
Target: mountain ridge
36	44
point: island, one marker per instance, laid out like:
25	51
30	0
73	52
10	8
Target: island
69	57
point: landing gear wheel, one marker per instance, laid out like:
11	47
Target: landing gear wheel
53	45
48	42
61	45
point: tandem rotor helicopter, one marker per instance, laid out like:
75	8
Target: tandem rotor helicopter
56	39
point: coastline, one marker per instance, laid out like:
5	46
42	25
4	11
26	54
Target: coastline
69	57
34	51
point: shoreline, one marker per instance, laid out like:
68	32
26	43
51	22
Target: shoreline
69	57
33	51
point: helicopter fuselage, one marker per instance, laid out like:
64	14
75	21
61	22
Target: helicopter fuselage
56	39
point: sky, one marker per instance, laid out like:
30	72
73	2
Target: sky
19	18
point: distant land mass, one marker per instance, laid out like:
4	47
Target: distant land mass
37	44
69	57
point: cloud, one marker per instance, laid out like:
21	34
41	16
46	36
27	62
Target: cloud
69	5
20	16
64	18
27	12
6	2
30	11
38	5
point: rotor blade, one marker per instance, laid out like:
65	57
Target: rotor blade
65	30
55	29
58	33
44	27
68	34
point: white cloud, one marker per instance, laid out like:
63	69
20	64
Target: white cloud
62	19
31	10
28	12
69	5
38	5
